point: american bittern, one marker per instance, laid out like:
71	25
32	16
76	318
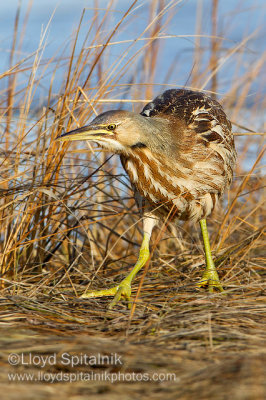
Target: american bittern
179	154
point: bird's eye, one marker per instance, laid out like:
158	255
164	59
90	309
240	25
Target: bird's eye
111	127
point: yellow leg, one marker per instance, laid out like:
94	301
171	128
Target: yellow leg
124	288
210	276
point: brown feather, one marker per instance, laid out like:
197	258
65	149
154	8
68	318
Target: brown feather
202	156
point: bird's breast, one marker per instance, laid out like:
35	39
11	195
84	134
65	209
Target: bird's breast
169	187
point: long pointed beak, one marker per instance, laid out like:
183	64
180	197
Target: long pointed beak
88	132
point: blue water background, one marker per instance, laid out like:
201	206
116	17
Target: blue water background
236	20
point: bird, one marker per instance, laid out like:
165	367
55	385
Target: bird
179	154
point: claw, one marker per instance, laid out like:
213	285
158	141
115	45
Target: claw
121	290
211	280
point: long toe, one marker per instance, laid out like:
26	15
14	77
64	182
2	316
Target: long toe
99	293
123	290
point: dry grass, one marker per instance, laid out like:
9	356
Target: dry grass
69	222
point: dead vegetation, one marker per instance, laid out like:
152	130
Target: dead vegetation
68	221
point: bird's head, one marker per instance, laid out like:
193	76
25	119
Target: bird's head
116	130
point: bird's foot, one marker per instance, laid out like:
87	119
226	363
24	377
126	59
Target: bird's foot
121	290
210	280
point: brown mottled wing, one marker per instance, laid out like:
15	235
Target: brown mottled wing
173	101
190	106
203	116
